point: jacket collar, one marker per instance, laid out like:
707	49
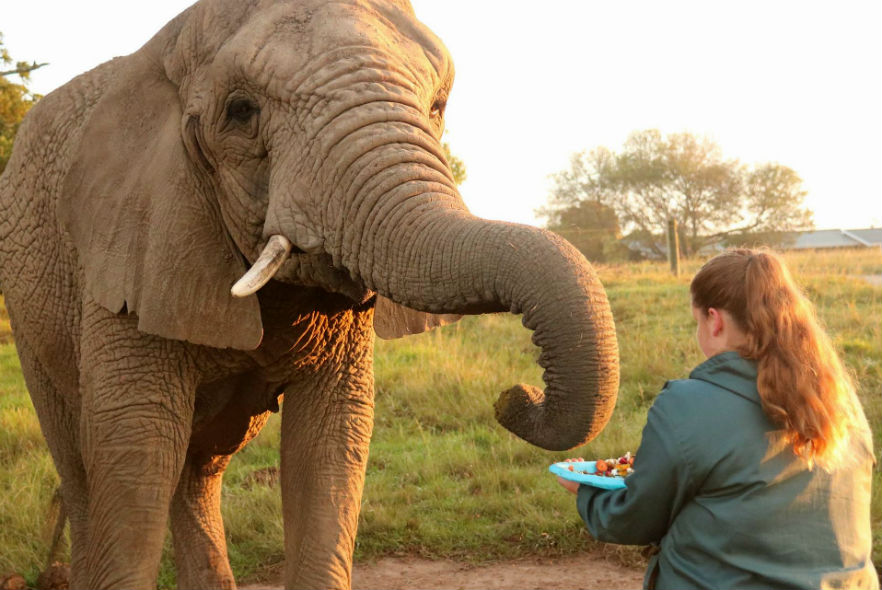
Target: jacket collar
731	372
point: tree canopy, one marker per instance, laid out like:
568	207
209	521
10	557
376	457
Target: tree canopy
15	100
655	178
457	166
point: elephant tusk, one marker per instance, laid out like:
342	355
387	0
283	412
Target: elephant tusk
274	254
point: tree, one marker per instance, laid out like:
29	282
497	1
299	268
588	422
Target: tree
590	226
683	177
15	101
579	207
774	194
588	179
457	166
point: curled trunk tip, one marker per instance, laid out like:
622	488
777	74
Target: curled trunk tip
524	410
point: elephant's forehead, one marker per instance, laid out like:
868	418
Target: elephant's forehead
282	41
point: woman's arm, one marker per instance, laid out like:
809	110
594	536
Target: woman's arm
661	483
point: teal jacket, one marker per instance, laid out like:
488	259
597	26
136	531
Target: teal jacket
727	502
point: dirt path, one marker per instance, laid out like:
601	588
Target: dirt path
579	572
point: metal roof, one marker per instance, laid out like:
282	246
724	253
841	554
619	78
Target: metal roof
872	235
838	238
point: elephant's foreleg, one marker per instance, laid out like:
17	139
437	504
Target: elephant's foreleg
326	429
197	527
137	407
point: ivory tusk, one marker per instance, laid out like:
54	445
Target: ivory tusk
274	254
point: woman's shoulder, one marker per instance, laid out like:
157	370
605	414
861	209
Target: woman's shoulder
701	406
709	423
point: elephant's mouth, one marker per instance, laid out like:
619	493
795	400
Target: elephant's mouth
281	261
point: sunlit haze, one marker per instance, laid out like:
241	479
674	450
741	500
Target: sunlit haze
798	83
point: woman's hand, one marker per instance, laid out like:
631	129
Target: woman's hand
570	486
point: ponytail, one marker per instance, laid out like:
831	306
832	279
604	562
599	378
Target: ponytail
803	386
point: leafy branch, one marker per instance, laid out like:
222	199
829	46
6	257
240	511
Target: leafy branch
23	69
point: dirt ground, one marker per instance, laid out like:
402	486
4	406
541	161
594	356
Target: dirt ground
579	572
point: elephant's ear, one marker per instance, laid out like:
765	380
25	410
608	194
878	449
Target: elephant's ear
392	320
147	232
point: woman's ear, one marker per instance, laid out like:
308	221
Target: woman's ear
146	227
718	321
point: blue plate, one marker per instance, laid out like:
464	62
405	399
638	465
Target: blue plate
597	481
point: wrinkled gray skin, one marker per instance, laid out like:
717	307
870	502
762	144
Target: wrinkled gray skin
137	195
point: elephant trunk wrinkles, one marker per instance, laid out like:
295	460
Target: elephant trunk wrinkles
439	258
399	226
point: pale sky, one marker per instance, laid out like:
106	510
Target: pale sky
794	82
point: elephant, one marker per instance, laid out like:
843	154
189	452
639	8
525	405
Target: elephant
216	224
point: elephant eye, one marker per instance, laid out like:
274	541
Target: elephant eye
241	110
438	108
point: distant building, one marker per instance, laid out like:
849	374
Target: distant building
823	239
834	238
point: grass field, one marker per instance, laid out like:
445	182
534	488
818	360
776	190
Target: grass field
444	480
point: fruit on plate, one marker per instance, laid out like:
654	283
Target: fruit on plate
621	467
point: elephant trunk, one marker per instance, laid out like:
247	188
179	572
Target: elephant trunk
438	258
399	226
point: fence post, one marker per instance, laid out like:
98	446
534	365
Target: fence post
673	247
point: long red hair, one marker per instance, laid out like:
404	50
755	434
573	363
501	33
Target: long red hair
802	384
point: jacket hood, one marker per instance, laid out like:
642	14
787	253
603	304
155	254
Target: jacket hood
732	372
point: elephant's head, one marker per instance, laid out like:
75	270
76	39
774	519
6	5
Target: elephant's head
311	129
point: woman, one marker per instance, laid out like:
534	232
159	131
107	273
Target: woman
755	472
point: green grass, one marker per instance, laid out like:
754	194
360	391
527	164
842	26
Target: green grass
444	480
